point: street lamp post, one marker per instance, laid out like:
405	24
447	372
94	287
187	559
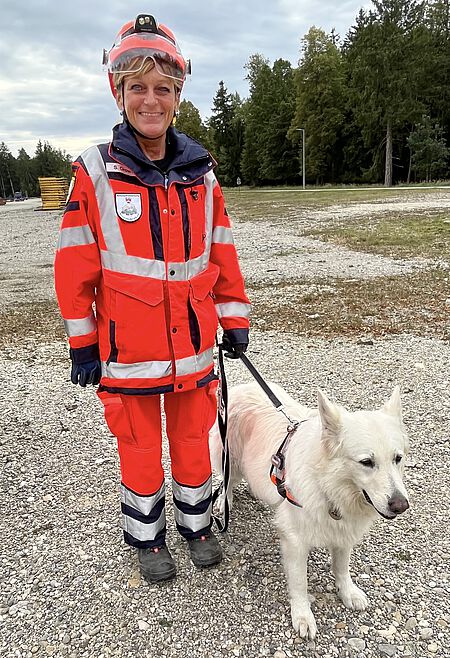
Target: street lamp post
303	154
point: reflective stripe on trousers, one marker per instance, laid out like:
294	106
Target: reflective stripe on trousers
144	518
192	507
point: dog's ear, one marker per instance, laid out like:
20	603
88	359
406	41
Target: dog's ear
393	406
329	415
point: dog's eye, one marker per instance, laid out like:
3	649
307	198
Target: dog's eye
398	459
369	463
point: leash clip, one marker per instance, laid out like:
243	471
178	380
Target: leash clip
278	461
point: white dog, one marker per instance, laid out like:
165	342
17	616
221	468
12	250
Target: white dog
342	471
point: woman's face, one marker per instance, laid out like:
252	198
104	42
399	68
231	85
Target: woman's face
150	101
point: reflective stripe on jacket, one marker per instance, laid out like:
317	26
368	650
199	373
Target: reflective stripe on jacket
155	253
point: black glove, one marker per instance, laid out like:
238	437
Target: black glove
235	342
86	368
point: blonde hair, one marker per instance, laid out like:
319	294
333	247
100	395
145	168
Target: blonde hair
147	64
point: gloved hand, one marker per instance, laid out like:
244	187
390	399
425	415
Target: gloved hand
86	367
235	343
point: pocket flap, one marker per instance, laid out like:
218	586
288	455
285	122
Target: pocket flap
203	283
149	291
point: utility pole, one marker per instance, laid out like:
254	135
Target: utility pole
303	154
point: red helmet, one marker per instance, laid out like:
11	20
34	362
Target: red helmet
144	39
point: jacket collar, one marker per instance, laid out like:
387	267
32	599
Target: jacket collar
190	159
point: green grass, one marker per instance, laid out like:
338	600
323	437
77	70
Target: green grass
398	236
278	203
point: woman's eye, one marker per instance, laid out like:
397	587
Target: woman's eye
369	463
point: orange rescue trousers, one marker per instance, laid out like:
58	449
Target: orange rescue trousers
136	422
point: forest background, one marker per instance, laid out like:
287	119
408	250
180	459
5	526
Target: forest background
370	108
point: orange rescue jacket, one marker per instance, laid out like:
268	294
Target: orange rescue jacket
146	265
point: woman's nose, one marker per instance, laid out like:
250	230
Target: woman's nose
150	97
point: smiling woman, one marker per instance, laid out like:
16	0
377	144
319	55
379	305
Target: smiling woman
146	238
148	101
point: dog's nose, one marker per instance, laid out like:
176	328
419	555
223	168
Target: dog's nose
398	504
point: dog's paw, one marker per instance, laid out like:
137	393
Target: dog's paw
303	621
353	597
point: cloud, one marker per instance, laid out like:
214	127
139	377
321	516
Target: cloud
52	86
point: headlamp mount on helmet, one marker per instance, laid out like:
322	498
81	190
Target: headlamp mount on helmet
143	39
145	23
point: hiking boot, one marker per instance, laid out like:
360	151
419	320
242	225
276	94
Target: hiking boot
156	563
205	551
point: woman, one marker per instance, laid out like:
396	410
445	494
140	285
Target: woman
146	239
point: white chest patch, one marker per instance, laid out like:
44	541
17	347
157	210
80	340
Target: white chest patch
129	206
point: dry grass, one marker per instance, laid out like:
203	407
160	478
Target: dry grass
418	303
31	320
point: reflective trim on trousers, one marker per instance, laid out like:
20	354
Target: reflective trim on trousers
105	200
158	369
222	235
80	327
233	309
193	522
144	531
75	236
192	495
143	504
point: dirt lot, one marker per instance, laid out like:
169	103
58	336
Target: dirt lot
350	293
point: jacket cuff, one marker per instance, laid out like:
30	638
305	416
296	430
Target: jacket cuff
85	354
237	336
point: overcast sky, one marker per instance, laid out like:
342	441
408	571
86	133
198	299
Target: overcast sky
53	87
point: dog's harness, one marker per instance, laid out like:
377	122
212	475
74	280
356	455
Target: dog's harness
278	469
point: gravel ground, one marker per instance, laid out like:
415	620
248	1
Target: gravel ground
70	587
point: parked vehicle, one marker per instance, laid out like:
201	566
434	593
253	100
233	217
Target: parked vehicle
18	196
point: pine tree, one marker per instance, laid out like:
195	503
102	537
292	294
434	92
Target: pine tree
190	122
226	130
384	53
429	152
320	105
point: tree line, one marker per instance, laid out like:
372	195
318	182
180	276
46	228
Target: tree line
373	107
22	173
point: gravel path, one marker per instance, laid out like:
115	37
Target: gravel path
70	587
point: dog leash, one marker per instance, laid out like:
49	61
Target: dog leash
222	420
277	471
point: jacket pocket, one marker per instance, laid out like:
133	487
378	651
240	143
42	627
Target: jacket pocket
138	319
201	305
